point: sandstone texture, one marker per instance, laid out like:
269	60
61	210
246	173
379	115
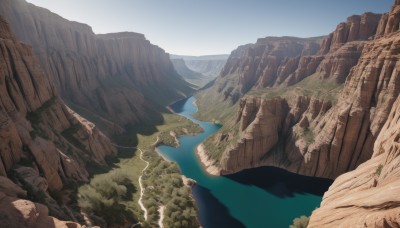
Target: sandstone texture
115	79
368	196
285	61
316	135
309	134
21	213
43	143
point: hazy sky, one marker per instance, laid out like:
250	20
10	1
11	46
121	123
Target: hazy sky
200	27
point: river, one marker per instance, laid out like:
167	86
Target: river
261	197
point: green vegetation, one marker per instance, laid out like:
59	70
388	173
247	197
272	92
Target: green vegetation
104	197
186	128
306	133
301	222
164	186
311	86
162	181
378	170
216	150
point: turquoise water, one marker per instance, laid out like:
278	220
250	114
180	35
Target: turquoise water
263	197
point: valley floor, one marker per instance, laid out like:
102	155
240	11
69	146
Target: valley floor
155	180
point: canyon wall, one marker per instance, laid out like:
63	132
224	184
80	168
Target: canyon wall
285	61
116	79
309	129
44	145
294	113
368	196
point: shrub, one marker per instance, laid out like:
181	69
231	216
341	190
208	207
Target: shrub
301	222
378	170
104	195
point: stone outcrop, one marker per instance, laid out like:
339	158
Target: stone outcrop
264	125
343	137
367	196
306	134
23	213
356	28
112	78
390	21
43	143
285	61
271	61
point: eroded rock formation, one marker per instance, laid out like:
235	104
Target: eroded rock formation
43	143
301	130
112	78
368	196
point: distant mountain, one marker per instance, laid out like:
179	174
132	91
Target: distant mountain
201	57
208	65
195	78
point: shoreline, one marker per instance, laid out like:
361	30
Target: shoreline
206	162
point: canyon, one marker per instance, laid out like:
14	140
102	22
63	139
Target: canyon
322	107
319	107
116	80
51	70
199	70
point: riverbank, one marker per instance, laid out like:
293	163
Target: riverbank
244	200
207	163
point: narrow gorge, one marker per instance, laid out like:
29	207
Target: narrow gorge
286	131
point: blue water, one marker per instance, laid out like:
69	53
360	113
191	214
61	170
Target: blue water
262	197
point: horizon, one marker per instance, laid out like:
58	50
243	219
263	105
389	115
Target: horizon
192	28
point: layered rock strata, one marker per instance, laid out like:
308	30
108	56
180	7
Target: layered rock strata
44	144
116	79
310	135
285	61
368	196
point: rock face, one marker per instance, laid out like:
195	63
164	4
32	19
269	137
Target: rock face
311	135
265	124
356	28
306	133
114	78
368	196
23	213
271	61
285	61
44	144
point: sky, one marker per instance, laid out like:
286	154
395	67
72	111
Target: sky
205	27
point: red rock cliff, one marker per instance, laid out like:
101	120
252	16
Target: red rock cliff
43	143
308	135
114	77
368	196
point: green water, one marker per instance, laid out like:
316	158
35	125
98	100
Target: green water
266	197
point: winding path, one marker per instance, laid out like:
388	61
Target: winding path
161	211
141	186
140	202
